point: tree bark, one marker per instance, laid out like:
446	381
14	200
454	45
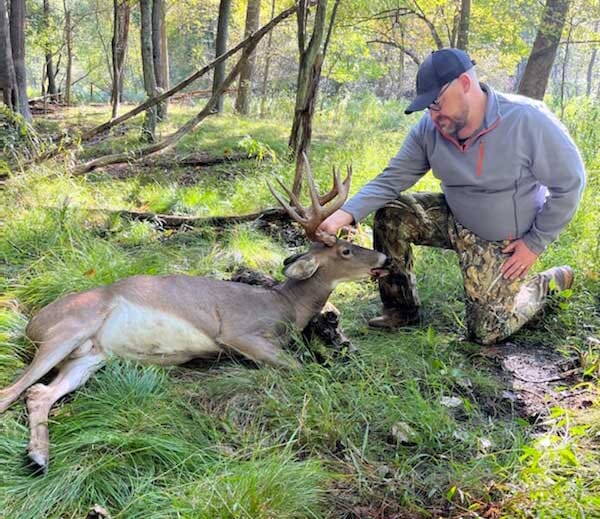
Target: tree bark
535	79
159	53
563	76
309	74
149	126
69	42
8	79
590	68
50	72
242	102
263	97
220	48
121	13
17	37
462	39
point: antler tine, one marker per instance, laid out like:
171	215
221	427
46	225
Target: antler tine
334	190
294	199
290	210
341	189
314	196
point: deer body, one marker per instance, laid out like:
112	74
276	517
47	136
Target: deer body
164	319
170	320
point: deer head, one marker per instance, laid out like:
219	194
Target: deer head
338	260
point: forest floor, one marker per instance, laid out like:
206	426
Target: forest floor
420	423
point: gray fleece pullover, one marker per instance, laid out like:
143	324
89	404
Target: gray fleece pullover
519	176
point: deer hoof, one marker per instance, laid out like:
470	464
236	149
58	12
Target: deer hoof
39	460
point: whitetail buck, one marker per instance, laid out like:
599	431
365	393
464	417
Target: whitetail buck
170	320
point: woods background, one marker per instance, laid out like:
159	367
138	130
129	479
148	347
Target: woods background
99	180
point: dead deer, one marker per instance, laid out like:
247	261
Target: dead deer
170	320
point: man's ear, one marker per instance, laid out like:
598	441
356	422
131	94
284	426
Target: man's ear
300	266
465	81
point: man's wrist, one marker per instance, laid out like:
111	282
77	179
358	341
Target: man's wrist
533	244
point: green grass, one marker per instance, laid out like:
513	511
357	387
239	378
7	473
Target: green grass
232	441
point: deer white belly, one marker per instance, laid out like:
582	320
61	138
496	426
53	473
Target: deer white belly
138	332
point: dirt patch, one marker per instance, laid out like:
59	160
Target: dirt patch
539	378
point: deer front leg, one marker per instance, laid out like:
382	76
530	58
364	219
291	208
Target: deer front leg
259	349
41	398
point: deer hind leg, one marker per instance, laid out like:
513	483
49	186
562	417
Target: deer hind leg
49	354
40	399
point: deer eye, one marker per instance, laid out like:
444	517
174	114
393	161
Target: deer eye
346	252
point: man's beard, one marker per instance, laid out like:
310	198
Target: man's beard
452	125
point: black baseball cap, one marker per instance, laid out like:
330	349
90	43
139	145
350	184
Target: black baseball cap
439	68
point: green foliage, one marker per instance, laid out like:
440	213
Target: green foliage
18	139
581	116
415	418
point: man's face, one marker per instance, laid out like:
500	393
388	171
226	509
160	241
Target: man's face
450	110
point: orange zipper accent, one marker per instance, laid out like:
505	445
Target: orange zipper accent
480	162
464	148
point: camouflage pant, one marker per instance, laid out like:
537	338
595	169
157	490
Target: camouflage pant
495	307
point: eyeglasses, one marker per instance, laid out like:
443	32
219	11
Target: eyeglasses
435	106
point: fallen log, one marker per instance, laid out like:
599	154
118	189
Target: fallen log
170	140
168	221
196	160
198	94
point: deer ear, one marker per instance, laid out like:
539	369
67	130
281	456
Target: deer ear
300	266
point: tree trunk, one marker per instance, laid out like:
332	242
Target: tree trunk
17	37
252	40
535	79
50	73
590	69
149	127
121	12
309	73
208	109
220	48
8	80
159	50
242	102
69	42
263	96
563	76
462	40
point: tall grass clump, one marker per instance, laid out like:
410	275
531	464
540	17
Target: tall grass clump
115	436
128	443
13	345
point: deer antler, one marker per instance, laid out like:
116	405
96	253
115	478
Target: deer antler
311	218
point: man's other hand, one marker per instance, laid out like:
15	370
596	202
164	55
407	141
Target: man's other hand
520	261
336	221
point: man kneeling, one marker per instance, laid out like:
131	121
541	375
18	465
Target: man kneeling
512	179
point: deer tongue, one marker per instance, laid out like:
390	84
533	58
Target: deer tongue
379	273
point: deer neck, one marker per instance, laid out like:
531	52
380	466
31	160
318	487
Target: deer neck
307	296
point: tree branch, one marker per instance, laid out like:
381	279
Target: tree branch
208	109
180	86
406	51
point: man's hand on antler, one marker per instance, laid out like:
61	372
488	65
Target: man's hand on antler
323	208
336	221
